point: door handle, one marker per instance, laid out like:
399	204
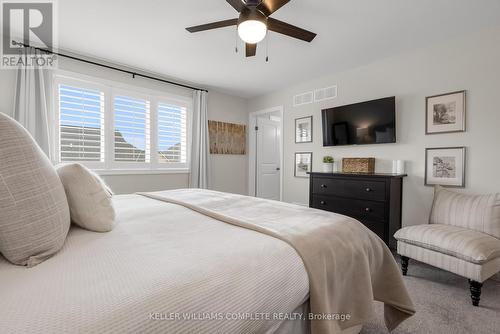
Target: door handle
277	168
322	202
368	189
368	209
323	186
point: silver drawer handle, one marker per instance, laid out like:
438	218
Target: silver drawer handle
368	189
368	209
322	202
323	186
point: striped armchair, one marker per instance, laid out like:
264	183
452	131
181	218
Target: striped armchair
463	236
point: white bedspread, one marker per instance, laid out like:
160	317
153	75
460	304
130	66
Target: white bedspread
348	265
160	259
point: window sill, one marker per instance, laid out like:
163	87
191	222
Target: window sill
141	171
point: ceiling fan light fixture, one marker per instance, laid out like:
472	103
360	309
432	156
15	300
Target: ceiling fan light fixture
252	25
252	31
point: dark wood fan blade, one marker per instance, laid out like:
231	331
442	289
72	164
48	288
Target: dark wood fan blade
270	6
236	4
250	49
289	30
213	25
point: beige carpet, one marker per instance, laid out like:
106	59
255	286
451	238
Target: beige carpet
444	306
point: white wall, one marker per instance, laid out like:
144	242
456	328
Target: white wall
229	172
471	63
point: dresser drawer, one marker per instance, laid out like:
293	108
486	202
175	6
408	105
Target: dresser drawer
358	209
362	189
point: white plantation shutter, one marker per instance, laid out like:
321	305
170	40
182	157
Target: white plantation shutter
172	134
109	127
131	129
81	124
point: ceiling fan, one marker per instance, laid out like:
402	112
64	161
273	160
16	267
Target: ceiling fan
254	22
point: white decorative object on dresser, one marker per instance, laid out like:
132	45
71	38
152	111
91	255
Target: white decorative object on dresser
398	166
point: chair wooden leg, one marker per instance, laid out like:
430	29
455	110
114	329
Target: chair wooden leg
404	265
475	292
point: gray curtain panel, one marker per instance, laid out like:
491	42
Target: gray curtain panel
31	106
200	154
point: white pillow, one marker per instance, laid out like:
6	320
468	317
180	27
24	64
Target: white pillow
34	214
89	198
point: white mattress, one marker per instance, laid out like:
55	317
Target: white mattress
161	258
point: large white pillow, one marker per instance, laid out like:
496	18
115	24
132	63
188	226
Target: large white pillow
34	214
89	198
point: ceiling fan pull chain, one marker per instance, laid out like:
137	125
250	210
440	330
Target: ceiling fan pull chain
236	41
267	48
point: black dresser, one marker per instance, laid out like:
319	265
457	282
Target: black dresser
373	199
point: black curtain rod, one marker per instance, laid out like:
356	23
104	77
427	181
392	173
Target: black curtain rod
134	74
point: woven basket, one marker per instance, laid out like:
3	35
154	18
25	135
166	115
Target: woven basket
358	165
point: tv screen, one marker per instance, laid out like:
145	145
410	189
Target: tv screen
371	122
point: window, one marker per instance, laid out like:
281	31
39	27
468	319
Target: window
132	130
107	127
81	124
172	135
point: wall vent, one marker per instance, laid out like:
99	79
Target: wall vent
325	93
304	98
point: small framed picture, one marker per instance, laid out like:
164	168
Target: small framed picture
303	130
445	113
445	166
303	164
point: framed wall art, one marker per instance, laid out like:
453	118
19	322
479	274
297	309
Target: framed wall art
303	164
445	166
303	130
227	138
445	113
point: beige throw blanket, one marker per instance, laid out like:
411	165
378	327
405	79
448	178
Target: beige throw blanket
347	264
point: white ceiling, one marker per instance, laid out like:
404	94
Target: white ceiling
150	35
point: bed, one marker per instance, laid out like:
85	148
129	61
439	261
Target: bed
171	260
165	268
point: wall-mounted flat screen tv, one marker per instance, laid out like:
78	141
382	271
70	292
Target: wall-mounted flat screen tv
370	122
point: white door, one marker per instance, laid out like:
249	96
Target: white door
268	159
